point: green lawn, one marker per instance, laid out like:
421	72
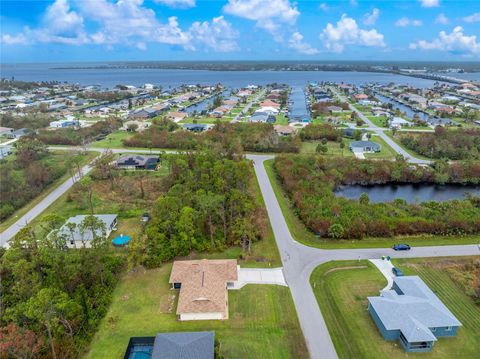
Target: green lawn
262	319
342	288
333	148
56	156
113	140
386	151
303	235
380	121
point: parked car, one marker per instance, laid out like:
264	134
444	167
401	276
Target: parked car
401	247
397	272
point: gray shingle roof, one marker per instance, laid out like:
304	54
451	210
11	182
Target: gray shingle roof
107	219
186	345
414	311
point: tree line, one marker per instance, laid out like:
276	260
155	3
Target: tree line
258	137
310	182
454	144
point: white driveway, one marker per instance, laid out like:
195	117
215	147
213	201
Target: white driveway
385	267
259	276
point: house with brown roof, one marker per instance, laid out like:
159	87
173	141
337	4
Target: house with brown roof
203	288
270	103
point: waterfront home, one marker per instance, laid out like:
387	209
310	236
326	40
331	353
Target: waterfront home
203	287
176	116
138	162
360	96
364	146
398	123
181	345
412	314
75	236
270	103
64	123
262	117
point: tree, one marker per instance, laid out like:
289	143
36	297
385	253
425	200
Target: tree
29	150
95	226
20	343
336	231
132	127
321	148
364	199
54	311
342	146
186	231
104	167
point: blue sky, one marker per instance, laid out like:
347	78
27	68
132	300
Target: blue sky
97	30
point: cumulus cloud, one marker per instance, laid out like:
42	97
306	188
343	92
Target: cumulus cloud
182	4
442	19
430	3
456	42
371	18
405	21
217	35
126	22
347	32
472	18
269	15
296	42
323	6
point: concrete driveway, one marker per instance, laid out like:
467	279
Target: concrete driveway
385	267
273	276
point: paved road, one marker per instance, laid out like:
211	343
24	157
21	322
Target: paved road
247	107
381	132
299	261
11	231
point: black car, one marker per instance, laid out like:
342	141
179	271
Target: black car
401	247
397	272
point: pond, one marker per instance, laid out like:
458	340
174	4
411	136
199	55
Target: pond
412	193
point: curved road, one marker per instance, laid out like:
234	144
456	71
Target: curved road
381	132
298	260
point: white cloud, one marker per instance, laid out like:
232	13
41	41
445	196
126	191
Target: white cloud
269	15
430	3
124	22
217	35
182	4
323	6
347	32
405	21
472	18
456	42
296	42
371	18
19	39
442	19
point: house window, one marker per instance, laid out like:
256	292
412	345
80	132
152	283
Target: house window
72	242
433	330
448	329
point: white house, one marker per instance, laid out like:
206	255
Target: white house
77	238
398	122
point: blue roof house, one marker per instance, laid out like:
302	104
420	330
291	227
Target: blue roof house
412	314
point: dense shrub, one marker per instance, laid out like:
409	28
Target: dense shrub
310	182
458	144
257	137
322	131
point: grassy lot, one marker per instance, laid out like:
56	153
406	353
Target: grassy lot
410	152
342	290
303	235
333	148
380	121
262	319
113	140
386	151
56	156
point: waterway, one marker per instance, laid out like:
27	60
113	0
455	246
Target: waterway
297	105
412	193
205	104
403	108
174	78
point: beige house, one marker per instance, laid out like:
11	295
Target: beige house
203	288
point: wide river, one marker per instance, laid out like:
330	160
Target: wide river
173	78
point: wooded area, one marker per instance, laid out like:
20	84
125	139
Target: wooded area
258	137
310	181
458	144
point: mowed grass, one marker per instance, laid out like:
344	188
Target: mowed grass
342	288
332	146
262	319
113	140
386	152
303	235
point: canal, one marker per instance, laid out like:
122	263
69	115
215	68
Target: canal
298	108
